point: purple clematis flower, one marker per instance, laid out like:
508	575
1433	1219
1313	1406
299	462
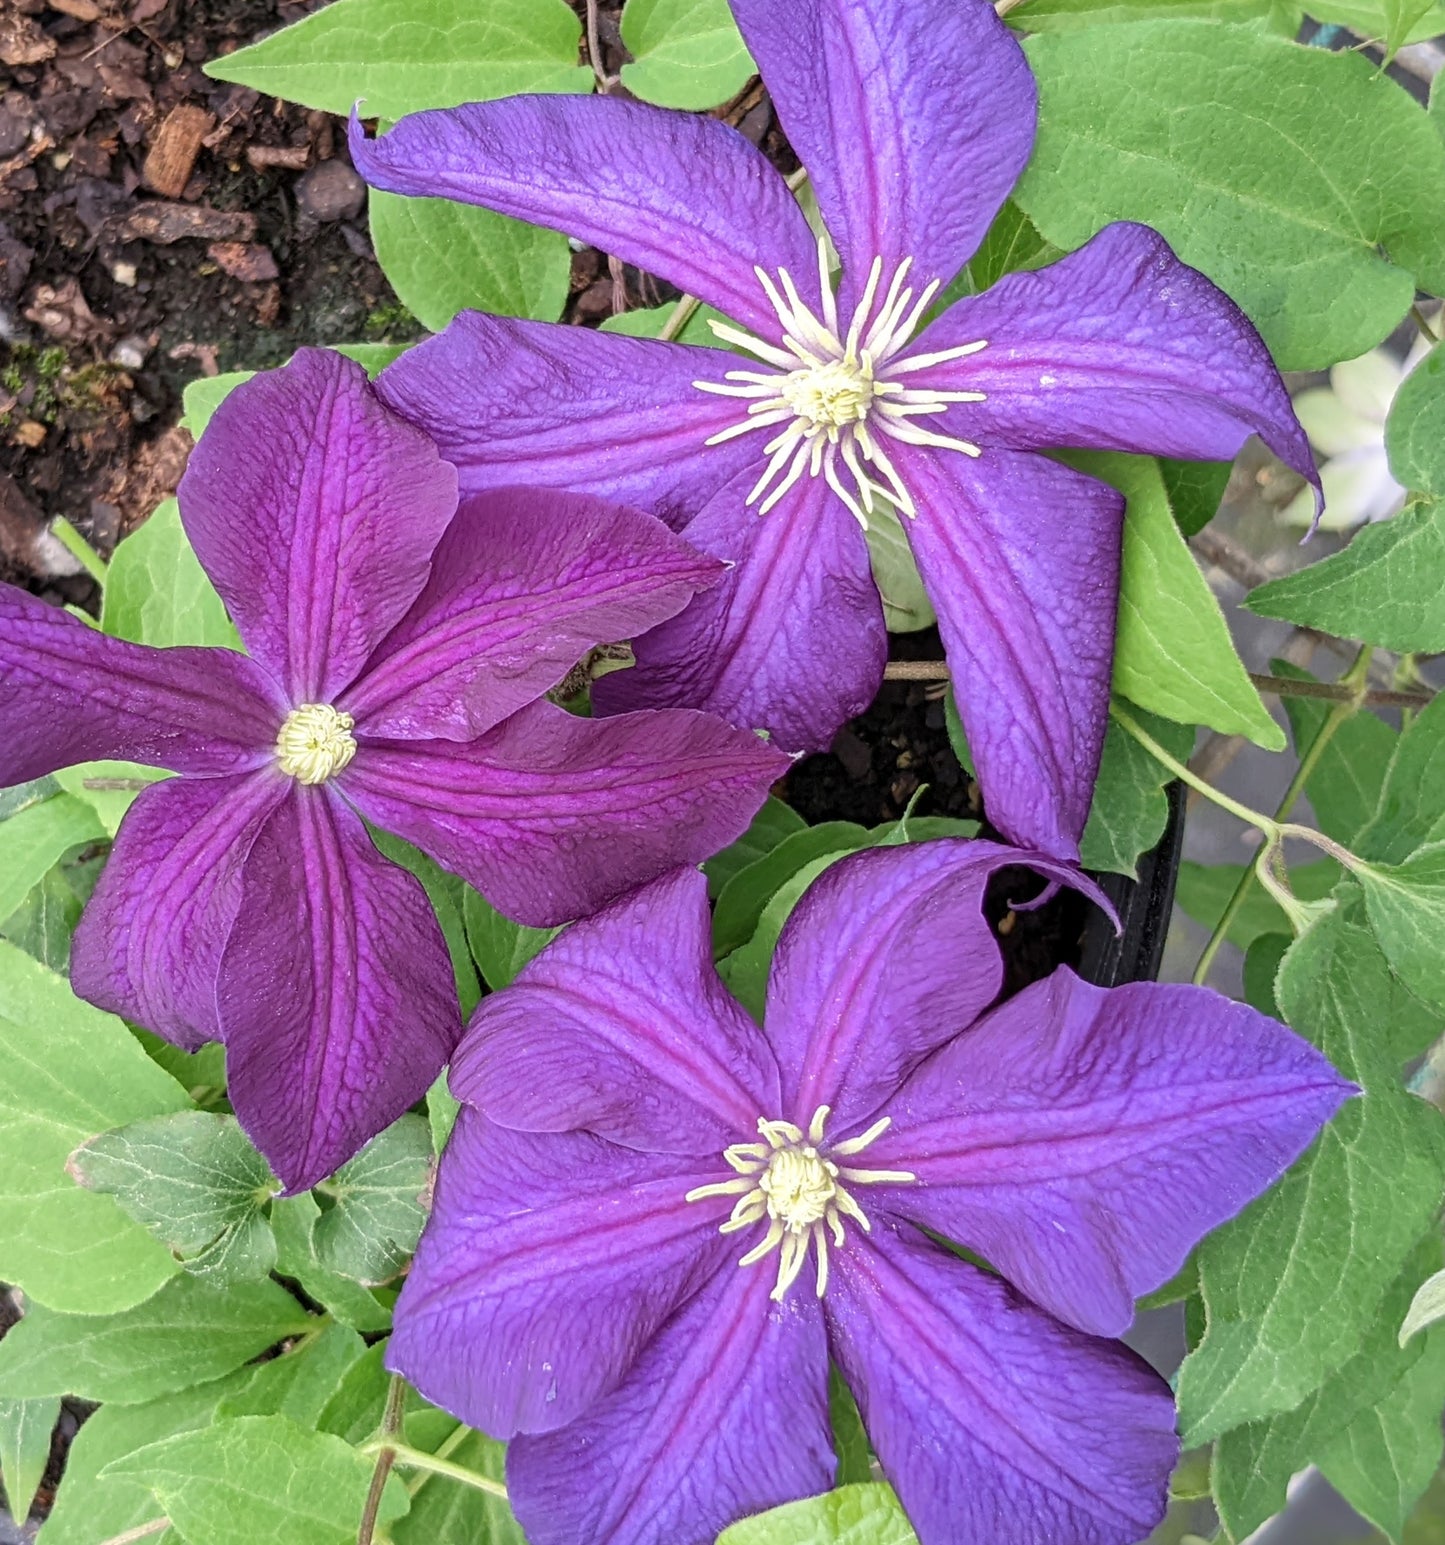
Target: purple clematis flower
399	649
655	1224
914	121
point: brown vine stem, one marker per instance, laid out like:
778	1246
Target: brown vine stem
385	1457
140	1532
605	82
1280	686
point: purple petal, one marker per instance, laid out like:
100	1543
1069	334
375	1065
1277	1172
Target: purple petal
685	197
914	121
69	694
886	957
551	816
514	403
1083	1140
790	640
545	1268
315	511
523	584
1020	557
149	944
993	1421
1118	346
623	1028
724	1415
336	998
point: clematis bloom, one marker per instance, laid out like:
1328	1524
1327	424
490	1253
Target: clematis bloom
914	121
656	1223
399	646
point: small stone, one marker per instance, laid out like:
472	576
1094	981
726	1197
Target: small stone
250	262
130	353
331	190
30	434
124	273
15	124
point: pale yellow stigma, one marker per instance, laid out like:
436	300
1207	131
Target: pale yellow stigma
830	396
793	1180
315	742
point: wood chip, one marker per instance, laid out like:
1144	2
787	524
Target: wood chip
22	41
81	10
164	223
30	434
244	260
293	157
173	151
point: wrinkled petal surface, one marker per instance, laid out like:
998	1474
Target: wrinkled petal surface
315	511
993	1421
1083	1140
1020	557
149	943
623	1028
336	996
790	640
725	1414
69	693
523	584
551	816
914	121
685	197
546	1267
513	403
886	957
1118	346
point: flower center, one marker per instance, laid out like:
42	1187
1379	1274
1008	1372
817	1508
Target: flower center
315	742
794	1181
836	394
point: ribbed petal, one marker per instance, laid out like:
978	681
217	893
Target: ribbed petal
149	943
914	121
886	957
546	1266
623	1028
1020	557
724	1415
336	998
523	584
551	816
685	197
790	640
69	693
315	511
513	403
1118	346
1083	1141
993	1421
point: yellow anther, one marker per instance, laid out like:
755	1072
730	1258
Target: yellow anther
315	742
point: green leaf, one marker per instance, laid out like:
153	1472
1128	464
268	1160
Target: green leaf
906	607
109	788
1393	22
500	947
742	900
293	1222
1411	808
400	58
38	837
1294	1283
376	1211
88	1510
1406	907
71	1071
1344	787
686	53
156	591
1253	1464
442	258
1203	891
771	825
1319	204
446	1513
650	322
25	1428
195	1182
301	1383
1130	807
1427	1307
850	1441
355	1411
1262	961
1012	245
447	893
1415	429
200	398
44	921
1066	15
1173	654
260	1478
187	1333
851	1515
1194	490
1384	588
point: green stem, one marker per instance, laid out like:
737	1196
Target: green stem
681	316
75	544
140	1532
414	1458
385	1450
448	1446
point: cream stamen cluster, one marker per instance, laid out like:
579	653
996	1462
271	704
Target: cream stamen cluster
797	1184
315	742
836	393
